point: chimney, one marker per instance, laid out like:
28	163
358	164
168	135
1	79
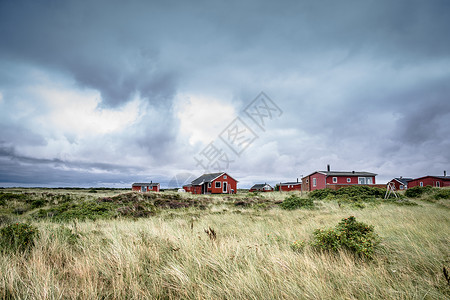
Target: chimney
445	173
402	176
353	172
328	168
297	178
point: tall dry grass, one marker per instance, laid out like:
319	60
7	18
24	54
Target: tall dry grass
170	256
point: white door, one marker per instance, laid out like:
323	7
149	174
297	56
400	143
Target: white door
224	187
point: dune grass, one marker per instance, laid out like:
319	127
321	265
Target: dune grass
169	256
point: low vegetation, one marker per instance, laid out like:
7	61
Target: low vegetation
116	244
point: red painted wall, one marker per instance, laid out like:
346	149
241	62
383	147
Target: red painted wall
320	181
429	180
152	189
291	187
231	185
397	185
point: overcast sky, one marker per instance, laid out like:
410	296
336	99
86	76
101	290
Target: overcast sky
103	93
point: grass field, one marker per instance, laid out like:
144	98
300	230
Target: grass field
132	246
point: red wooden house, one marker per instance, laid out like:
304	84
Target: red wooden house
261	187
214	183
400	183
187	188
337	179
435	181
145	187
290	186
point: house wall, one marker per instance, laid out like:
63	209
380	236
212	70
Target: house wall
290	187
188	189
320	181
397	185
149	189
196	189
231	185
339	186
429	180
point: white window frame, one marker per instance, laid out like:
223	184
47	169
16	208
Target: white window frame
349	180
363	181
369	180
421	183
218	185
438	184
334	179
209	185
225	187
314	182
224	176
401	186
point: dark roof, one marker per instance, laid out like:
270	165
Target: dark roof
145	184
206	178
440	177
289	183
403	180
187	185
345	173
260	186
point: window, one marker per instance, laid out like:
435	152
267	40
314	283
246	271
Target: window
224	176
209	184
438	184
349	180
364	180
421	183
307	180
401	186
314	181
143	188
334	179
218	184
267	187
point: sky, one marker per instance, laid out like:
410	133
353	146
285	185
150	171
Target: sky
107	93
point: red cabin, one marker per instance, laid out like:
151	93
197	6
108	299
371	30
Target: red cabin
335	180
261	187
290	186
435	181
187	188
400	183
214	183
145	187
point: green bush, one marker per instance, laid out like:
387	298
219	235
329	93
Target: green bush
349	234
322	194
298	245
442	194
294	202
418	191
18	237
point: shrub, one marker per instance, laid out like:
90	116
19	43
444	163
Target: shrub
349	234
322	194
298	245
18	237
417	191
37	203
442	194
294	202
